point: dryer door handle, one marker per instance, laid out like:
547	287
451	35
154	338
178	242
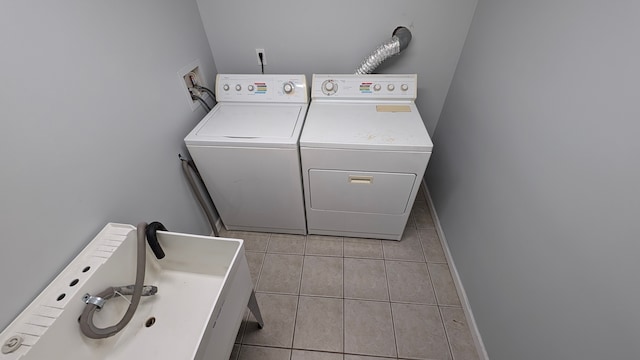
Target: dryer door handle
353	179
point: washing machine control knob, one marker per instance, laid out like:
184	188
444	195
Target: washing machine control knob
377	87
391	87
225	87
238	87
404	87
288	87
329	87
250	88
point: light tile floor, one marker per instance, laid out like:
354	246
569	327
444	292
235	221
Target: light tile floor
334	298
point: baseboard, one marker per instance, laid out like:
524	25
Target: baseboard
466	307
218	227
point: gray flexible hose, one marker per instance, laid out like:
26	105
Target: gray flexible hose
86	319
186	164
207	90
201	101
398	42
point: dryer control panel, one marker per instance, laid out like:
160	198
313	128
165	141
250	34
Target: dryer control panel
361	87
261	88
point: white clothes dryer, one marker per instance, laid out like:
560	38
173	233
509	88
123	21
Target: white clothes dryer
364	150
246	150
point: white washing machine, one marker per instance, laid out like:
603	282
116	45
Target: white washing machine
364	150
246	150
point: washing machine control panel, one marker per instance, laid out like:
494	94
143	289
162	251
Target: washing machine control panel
261	88
364	86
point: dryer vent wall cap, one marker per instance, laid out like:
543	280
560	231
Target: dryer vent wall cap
404	36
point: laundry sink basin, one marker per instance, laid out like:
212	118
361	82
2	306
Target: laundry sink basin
203	285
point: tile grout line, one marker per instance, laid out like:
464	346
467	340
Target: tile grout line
344	308
393	325
264	259
446	333
433	287
295	320
422	245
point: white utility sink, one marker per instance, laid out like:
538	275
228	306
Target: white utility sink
203	285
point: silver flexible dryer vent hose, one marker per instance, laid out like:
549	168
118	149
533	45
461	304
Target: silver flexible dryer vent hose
398	42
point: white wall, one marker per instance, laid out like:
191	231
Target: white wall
536	177
334	36
92	119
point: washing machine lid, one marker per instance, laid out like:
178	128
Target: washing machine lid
366	125
250	124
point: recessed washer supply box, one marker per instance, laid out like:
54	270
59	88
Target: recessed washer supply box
364	150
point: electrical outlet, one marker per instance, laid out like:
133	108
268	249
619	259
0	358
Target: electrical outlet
190	75
264	57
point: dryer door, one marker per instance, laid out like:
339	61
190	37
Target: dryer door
362	192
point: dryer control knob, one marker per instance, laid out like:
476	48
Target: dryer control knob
404	87
250	88
377	87
391	87
238	87
225	87
329	87
288	87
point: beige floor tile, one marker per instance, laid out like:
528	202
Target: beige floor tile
243	325
286	244
322	276
365	279
422	216
363	248
368	328
457	328
410	282
411	223
314	355
419	332
281	274
254	260
234	352
408	248
443	285
421	198
324	245
253	241
263	353
319	324
365	328
431	245
279	315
